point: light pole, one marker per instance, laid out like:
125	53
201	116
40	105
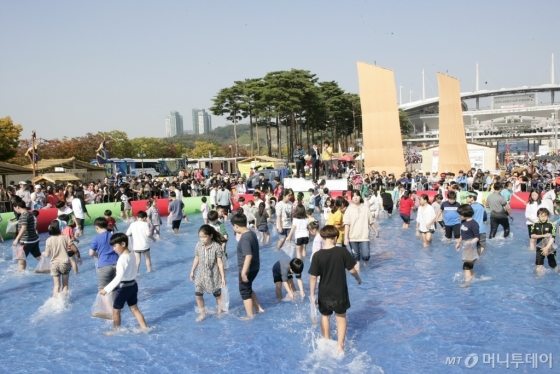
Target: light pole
359	143
142	154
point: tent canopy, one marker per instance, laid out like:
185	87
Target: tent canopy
55	178
67	163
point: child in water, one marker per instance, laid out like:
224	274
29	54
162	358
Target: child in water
330	263
69	232
469	238
204	210
282	273
154	218
56	248
124	283
544	232
112	224
210	277
262	218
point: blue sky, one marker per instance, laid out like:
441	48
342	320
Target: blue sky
72	67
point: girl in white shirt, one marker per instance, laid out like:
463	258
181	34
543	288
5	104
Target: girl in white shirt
299	229
531	209
425	216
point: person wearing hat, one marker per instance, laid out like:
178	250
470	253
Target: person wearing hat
24	194
38	198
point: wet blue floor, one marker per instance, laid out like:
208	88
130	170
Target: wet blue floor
409	315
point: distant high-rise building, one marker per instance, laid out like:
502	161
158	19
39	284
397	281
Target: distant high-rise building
173	124
202	122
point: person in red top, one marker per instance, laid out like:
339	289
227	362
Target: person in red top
111	223
52	199
405	207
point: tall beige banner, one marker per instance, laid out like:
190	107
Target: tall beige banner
383	150
453	153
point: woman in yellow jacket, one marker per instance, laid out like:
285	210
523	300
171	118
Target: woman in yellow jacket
335	218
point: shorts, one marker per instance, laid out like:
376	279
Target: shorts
60	268
278	278
405	218
360	250
246	289
142	251
284	232
226	208
105	275
216	293
128	295
327	311
455	229
551	259
80	223
175	224
431	231
263	228
388	208
302	241
32	248
468	265
482	240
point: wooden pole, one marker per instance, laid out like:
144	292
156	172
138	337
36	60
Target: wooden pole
33	155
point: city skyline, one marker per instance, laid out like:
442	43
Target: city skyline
201	116
65	76
174	124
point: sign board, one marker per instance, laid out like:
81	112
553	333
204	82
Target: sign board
544	149
477	158
76	171
435	161
514	101
58	170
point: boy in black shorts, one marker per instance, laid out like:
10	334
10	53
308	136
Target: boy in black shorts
124	283
544	232
330	263
282	273
470	236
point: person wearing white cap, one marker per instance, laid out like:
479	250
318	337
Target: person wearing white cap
38	198
24	193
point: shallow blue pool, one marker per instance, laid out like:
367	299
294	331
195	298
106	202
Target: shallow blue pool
409	315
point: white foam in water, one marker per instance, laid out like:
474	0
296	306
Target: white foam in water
51	307
326	359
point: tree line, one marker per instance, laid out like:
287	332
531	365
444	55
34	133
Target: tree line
296	105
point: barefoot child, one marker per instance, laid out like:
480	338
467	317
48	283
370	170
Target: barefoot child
424	219
248	262
139	230
210	277
204	210
124	197
469	237
299	230
330	264
544	232
282	273
69	232
56	248
124	282
262	218
154	218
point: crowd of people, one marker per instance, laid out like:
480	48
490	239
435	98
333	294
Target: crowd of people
340	229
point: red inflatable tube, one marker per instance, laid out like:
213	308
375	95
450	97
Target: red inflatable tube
162	205
45	217
519	200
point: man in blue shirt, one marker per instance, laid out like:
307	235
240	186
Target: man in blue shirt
451	218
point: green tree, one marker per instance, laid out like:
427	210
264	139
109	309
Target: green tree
9	138
203	149
228	102
406	125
